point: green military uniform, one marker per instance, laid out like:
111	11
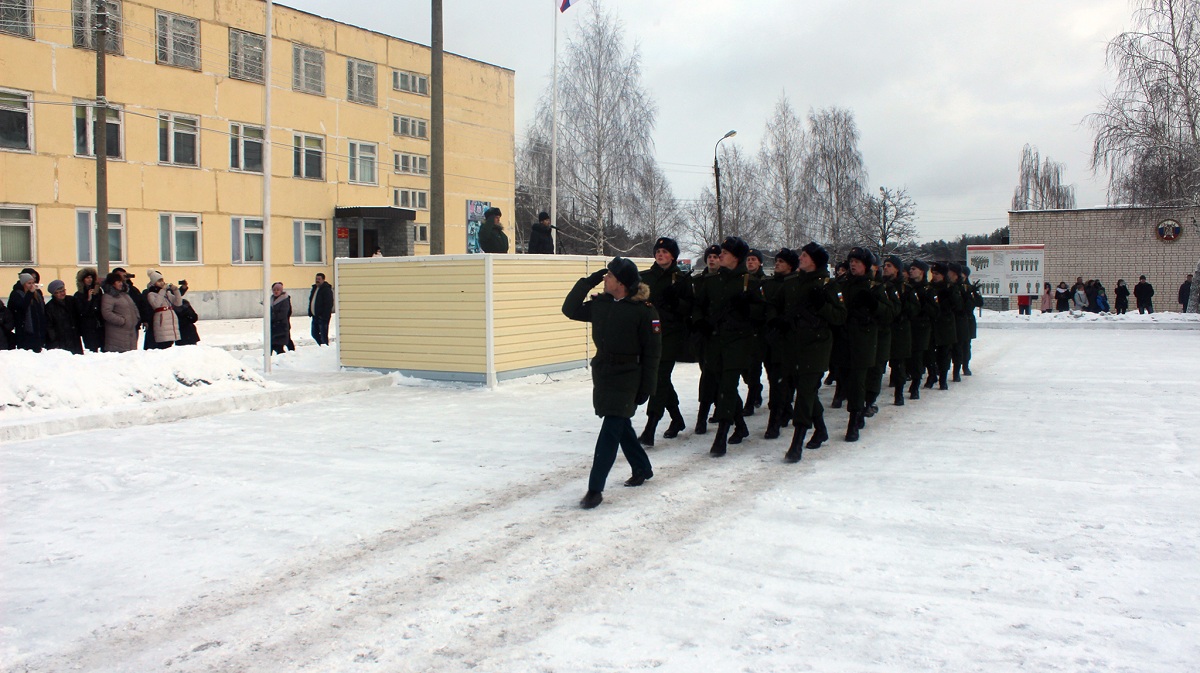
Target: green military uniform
812	307
888	308
753	374
962	325
905	297
671	294
492	237
974	300
922	333
699	338
945	334
773	337
728	306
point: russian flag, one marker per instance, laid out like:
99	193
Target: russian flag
565	4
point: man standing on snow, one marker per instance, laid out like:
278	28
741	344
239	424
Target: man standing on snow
320	309
1185	293
1143	292
628	339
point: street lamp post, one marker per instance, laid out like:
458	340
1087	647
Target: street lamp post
717	176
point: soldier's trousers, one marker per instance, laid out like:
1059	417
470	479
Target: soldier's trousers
753	378
807	408
899	372
855	387
616	431
943	358
966	361
722	388
783	386
956	354
874	382
664	396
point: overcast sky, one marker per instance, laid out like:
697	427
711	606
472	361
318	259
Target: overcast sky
945	92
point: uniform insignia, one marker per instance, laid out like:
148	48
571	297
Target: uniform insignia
656	327
840	298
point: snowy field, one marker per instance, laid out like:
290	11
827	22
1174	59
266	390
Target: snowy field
1039	516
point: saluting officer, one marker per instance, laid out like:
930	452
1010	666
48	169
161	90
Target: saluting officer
628	339
922	326
728	306
671	294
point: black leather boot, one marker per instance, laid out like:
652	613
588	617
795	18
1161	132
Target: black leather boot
718	447
957	378
914	389
748	408
942	384
966	369
647	436
932	380
592	499
820	434
677	425
852	427
899	396
838	398
796	450
740	431
702	420
772	426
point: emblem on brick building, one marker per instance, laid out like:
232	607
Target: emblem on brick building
1168	230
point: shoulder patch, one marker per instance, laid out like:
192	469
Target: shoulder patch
656	326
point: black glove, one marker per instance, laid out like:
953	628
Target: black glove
642	396
597	276
817	298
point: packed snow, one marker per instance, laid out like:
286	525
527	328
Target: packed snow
1040	515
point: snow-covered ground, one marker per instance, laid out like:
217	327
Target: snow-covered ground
1039	516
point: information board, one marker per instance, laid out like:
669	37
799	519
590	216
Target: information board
1007	270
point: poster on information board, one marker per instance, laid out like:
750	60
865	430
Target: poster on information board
475	211
1007	270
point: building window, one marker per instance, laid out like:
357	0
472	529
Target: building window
308	69
360	82
177	139
83	22
16	234
417	199
85	128
246	148
16	17
246	55
410	82
308	156
420	233
362	162
247	235
309	241
408	126
178	40
85	236
414	164
16	122
178	238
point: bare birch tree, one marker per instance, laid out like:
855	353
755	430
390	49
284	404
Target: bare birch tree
887	222
741	197
1039	184
605	122
781	161
650	209
700	220
1148	133
834	174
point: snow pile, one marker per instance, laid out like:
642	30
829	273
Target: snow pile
57	380
310	358
1082	317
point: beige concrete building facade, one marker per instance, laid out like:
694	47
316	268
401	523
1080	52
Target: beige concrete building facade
1112	243
348	142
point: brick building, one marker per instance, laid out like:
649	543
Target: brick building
1110	243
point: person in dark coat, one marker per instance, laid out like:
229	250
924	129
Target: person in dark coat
62	322
320	309
775	341
728	307
1185	293
753	374
1122	293
29	313
628	338
706	393
962	316
889	306
922	326
945	334
973	299
908	307
1143	293
866	307
491	233
671	295
187	318
281	320
1062	297
87	308
541	238
6	327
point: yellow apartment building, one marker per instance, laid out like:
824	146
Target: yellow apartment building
348	142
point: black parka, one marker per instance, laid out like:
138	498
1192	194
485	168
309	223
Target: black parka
802	319
62	325
671	294
729	306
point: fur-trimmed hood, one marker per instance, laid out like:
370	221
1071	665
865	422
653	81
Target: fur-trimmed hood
642	294
85	271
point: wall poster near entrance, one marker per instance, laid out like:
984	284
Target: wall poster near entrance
475	211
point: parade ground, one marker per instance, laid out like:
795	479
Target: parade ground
1039	516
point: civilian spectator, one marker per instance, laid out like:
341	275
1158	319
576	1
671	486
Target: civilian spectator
162	297
1143	293
87	308
62	321
28	311
120	315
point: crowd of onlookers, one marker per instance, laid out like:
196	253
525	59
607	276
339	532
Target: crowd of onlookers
101	314
1091	296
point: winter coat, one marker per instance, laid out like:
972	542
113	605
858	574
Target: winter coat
1185	293
729	307
164	322
120	320
1080	299
1143	292
800	321
866	307
949	302
1122	293
973	299
29	318
186	316
6	326
908	306
922	322
1062	298
62	325
87	312
628	342
541	240
1047	301
492	237
1091	293
281	319
671	295
320	301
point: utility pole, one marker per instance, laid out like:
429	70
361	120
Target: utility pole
437	140
100	138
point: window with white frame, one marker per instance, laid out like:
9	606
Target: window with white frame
16	17
308	69
420	233
414	164
309	241
408	126
246	148
83	25
247	234
86	235
178	139
85	128
362	162
308	156
16	121
360	81
416	199
410	82
178	40
16	234
246	55
178	238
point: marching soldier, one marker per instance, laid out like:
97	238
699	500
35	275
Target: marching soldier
922	326
908	305
728	306
945	335
712	264
671	294
865	309
778	344
883	344
962	318
627	335
753	374
974	300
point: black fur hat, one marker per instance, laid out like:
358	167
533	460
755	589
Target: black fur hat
755	253
789	256
939	268
713	249
669	245
543	216
492	212
736	247
895	261
861	254
625	272
817	254
923	266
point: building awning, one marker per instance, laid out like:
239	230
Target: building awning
391	213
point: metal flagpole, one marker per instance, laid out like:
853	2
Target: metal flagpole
266	158
554	139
